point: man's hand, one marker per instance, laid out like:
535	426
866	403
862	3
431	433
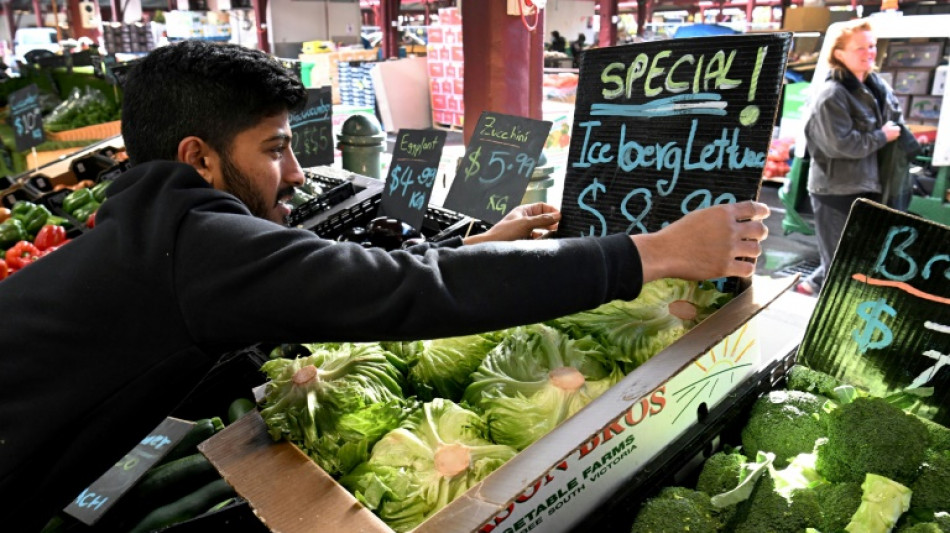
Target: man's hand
523	222
715	242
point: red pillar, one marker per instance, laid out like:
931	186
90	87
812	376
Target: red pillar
389	15
39	13
74	16
260	16
644	15
608	28
504	62
749	8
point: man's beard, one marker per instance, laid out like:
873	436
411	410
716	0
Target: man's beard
239	184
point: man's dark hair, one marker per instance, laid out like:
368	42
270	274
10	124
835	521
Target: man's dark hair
210	90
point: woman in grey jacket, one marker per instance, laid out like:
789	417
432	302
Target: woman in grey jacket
854	115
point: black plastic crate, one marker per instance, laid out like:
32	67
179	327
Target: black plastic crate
343	207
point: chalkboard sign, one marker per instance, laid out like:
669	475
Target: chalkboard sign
494	173
664	128
313	129
882	322
411	175
99	497
26	117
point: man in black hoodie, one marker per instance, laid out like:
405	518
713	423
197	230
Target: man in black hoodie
190	260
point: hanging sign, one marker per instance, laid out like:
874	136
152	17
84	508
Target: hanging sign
313	129
882	322
96	499
498	163
411	175
668	127
26	118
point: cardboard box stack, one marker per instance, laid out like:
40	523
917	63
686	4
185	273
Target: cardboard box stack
915	72
447	69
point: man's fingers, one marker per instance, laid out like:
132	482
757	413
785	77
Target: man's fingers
751	211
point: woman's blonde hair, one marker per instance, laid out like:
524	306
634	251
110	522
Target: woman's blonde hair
842	39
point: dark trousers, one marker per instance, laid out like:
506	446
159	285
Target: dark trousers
831	212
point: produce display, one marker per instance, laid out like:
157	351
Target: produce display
821	457
82	108
28	232
408	426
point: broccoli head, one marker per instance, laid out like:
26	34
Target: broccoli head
675	510
932	486
939	435
802	378
838	503
869	435
768	511
784	422
720	472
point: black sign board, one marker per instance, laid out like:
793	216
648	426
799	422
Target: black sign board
664	128
494	173
99	497
313	129
26	117
882	322
411	175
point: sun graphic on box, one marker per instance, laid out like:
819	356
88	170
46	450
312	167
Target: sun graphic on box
715	372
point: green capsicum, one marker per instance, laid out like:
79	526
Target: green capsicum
84	211
99	190
77	199
33	216
11	232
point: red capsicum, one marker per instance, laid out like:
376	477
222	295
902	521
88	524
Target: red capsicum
21	254
4	271
50	236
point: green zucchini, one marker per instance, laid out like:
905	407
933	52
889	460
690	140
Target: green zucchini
185	508
188	445
239	408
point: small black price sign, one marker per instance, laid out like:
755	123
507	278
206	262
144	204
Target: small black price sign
412	173
313	129
102	494
882	322
26	117
494	173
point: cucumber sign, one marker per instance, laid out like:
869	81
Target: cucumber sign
93	502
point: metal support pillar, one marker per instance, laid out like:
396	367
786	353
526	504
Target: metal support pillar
608	26
504	62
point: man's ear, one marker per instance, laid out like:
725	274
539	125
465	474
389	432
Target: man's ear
195	152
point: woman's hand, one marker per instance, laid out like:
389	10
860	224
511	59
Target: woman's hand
523	222
891	131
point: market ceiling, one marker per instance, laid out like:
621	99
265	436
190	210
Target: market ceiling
626	6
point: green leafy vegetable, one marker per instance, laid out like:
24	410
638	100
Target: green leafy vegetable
883	502
535	379
638	329
443	367
335	403
417	469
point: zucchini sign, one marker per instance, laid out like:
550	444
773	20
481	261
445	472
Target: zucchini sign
499	161
882	322
669	127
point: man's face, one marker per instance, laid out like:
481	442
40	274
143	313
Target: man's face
261	170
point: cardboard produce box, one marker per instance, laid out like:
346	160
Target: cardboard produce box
557	480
